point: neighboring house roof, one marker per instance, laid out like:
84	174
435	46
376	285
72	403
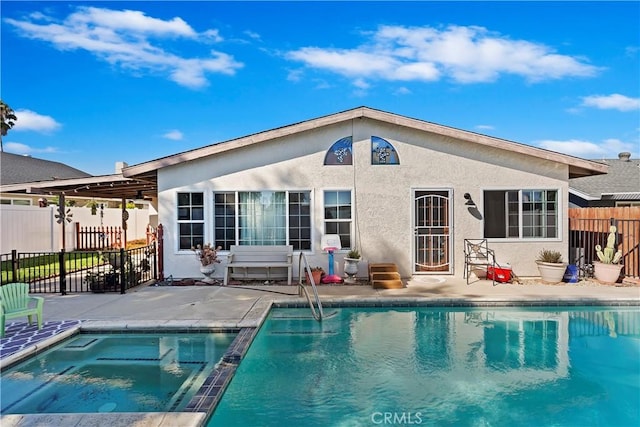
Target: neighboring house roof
577	166
622	182
15	169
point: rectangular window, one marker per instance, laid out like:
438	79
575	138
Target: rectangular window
300	220
19	202
524	214
225	219
263	218
190	220
337	215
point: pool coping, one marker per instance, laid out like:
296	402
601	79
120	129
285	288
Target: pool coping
198	410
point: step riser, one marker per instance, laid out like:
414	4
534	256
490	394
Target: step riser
385	276
387	284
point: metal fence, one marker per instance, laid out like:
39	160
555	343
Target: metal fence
87	271
585	234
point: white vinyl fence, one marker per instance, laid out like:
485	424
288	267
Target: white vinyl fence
35	229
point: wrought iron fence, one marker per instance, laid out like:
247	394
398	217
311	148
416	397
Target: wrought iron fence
585	234
85	271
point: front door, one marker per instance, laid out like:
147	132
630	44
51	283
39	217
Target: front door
431	228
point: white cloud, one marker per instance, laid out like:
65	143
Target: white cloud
607	149
485	127
128	38
402	91
31	121
463	54
174	135
361	84
252	35
19	148
612	102
294	75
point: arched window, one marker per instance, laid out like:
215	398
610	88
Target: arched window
382	152
340	152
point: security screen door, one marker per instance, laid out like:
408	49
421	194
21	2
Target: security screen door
431	228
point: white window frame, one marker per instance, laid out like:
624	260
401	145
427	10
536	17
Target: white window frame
190	221
351	220
560	214
287	193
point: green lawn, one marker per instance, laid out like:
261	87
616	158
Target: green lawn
47	265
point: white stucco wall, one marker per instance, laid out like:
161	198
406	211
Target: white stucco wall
383	198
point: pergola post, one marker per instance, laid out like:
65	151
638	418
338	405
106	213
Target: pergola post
125	217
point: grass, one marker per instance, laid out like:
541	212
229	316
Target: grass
47	265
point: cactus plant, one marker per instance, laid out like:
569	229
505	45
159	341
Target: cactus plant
609	254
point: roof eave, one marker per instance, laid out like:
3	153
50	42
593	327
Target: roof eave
577	167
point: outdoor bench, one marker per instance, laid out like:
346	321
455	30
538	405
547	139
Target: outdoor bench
259	262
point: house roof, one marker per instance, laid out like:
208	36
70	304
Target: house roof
577	166
144	176
15	169
622	182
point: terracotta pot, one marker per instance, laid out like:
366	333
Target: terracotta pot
606	273
551	272
317	275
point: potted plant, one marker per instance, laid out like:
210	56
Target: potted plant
550	266
208	257
100	282
608	269
317	273
351	265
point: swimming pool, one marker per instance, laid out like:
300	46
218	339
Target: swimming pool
123	372
426	366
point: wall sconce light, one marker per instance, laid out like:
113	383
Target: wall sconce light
469	201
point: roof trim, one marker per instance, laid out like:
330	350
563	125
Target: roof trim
577	166
583	196
621	196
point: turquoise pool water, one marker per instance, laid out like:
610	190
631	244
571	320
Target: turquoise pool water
425	366
123	372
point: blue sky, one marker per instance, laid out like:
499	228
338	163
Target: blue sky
93	83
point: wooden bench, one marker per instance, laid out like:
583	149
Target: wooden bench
15	301
250	262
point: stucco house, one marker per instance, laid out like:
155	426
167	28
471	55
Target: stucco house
398	189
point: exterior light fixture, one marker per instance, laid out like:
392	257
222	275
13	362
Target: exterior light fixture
469	201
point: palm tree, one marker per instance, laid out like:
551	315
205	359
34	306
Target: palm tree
8	120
